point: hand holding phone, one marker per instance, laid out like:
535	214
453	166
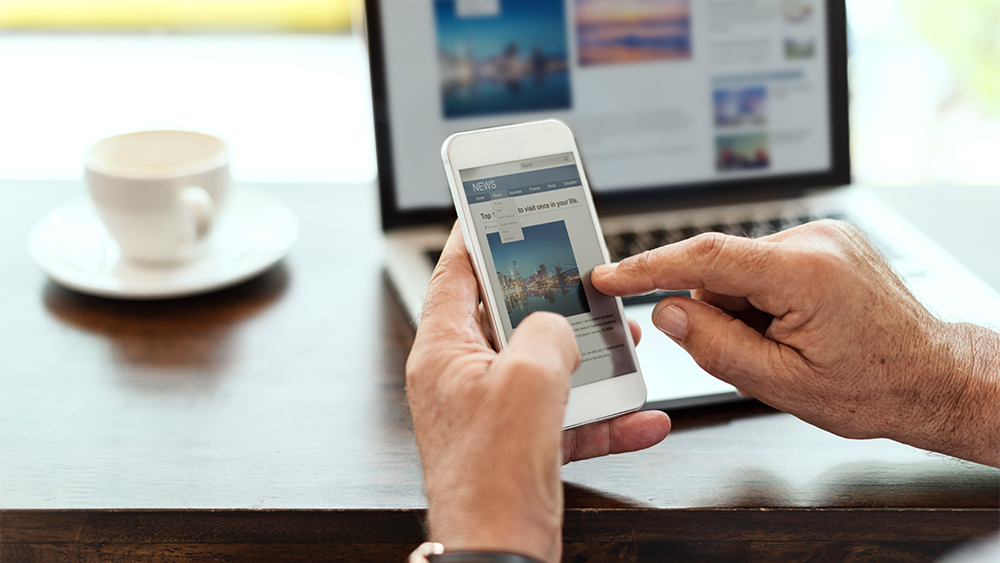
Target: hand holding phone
528	220
489	423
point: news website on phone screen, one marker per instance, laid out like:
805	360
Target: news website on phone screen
538	239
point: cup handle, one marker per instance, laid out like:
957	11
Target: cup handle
202	209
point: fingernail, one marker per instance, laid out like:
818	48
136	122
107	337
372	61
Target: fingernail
605	269
673	321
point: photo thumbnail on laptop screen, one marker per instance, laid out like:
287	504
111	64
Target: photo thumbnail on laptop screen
540	246
657	92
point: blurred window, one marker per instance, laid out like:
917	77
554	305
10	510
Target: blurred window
925	79
264	15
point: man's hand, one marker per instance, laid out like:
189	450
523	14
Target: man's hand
814	322
489	425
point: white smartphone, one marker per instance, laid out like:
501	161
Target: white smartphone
529	223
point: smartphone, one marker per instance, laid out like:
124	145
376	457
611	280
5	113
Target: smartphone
528	219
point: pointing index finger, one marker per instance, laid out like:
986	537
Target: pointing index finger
726	265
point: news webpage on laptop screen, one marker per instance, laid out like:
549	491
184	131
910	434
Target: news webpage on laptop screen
540	246
657	92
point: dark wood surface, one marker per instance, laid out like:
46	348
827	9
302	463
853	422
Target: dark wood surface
268	421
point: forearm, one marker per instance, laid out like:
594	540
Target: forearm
963	411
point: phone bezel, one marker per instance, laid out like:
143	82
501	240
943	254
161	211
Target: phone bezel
507	143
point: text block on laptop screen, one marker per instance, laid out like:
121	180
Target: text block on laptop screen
658	92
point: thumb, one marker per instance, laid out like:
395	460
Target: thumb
533	373
541	349
726	347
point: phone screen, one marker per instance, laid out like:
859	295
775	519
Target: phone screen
540	246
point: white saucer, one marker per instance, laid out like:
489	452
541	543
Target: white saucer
70	244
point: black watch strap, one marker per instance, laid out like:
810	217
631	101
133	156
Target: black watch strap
479	557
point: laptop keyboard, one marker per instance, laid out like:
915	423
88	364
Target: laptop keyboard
628	243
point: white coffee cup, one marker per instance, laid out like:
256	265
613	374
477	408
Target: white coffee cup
158	193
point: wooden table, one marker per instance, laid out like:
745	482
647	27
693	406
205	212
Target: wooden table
269	421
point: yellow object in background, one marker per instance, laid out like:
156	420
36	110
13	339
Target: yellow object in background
284	15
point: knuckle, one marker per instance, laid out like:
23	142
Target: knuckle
437	285
416	366
527	370
432	302
711	353
821	248
641	262
443	378
838	235
707	248
450	264
846	229
818	266
828	227
440	297
708	244
646	266
414	362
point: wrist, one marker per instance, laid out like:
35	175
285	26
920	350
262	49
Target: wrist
960	395
509	515
972	430
431	552
463	521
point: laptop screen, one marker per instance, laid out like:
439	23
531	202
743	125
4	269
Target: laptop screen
665	97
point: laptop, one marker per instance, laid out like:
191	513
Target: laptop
690	117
